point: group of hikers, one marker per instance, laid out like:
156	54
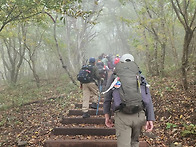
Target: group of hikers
105	64
126	93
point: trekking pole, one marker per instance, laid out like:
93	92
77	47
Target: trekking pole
100	88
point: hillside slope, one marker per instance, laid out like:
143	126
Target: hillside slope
174	109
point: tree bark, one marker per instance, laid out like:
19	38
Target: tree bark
58	50
148	57
185	57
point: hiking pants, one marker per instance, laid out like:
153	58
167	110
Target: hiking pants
128	128
90	90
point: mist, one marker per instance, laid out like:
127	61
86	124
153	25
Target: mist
69	36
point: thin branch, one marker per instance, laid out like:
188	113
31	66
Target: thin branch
50	16
185	11
194	28
147	9
194	18
17	18
10	13
177	13
183	14
134	7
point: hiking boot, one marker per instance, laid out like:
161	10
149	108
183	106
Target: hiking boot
86	115
94	105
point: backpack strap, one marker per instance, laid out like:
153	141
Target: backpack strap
112	85
138	83
144	83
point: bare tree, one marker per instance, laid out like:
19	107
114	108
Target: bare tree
58	50
79	32
188	19
12	56
31	51
158	31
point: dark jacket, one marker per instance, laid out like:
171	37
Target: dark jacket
95	72
146	98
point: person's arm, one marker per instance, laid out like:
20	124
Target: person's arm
149	110
107	104
146	97
150	117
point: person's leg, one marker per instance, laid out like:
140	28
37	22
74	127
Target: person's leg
123	130
106	78
86	96
94	92
138	121
128	128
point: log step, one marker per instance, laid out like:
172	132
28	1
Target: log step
80	105
91	120
84	131
86	143
79	112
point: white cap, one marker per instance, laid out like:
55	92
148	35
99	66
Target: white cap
126	57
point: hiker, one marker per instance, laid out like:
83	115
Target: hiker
90	89
116	59
100	65
110	62
132	109
102	71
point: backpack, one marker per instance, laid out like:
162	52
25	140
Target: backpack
85	74
100	66
116	60
130	92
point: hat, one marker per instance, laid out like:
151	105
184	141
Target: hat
92	60
126	58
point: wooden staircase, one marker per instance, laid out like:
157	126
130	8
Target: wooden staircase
89	132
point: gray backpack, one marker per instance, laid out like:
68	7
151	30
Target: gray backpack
130	92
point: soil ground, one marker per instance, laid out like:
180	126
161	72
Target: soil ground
174	109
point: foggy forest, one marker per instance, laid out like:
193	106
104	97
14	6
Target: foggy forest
44	43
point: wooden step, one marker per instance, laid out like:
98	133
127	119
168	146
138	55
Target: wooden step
84	131
80	120
79	112
86	143
93	126
80	105
80	143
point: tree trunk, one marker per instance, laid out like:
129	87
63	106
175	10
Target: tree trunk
68	40
35	75
171	35
59	54
156	59
187	19
148	57
185	57
31	53
13	60
162	65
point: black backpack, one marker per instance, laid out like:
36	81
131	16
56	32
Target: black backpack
100	67
85	74
130	93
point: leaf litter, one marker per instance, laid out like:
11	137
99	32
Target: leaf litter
33	123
